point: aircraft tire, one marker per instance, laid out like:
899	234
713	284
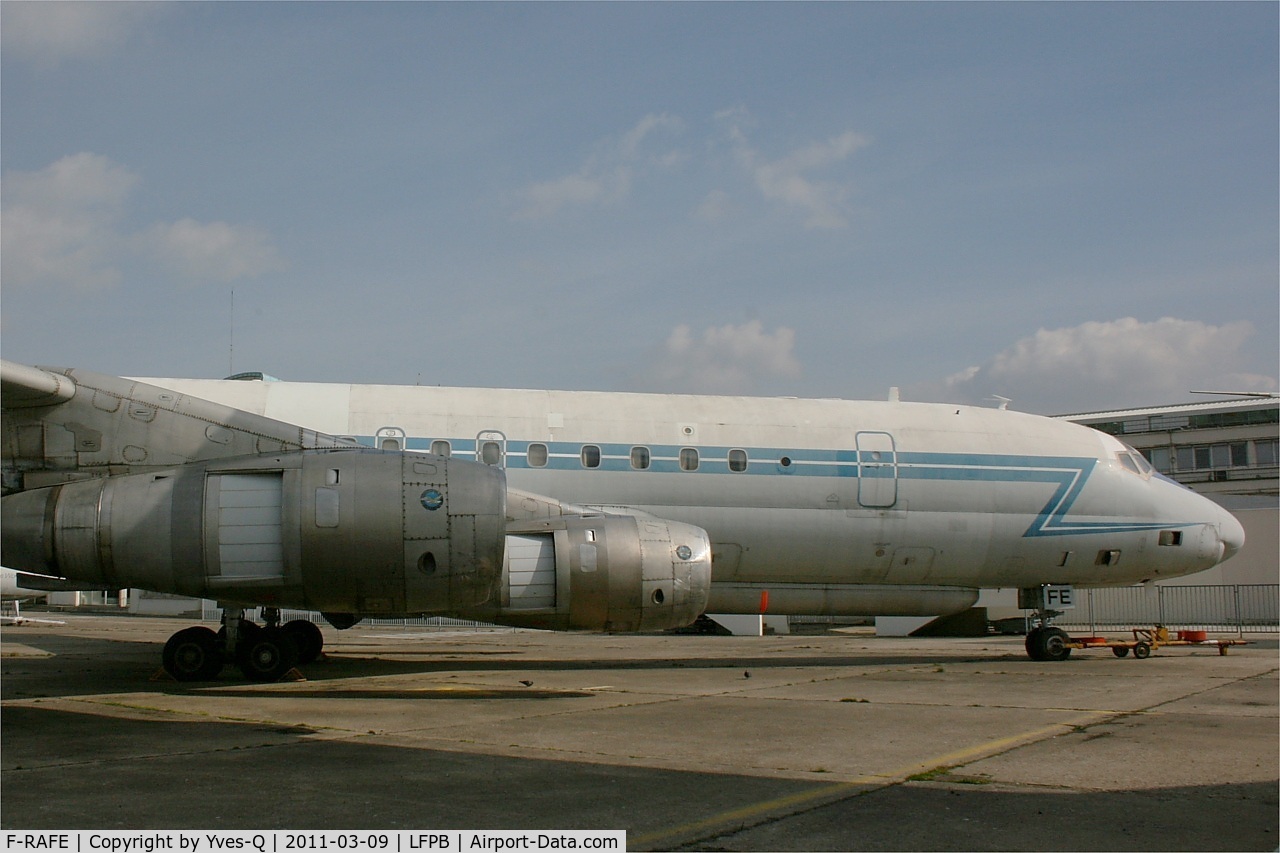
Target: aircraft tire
1033	643
1049	644
193	654
268	655
307	637
246	633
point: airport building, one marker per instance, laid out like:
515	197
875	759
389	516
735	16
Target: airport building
1218	448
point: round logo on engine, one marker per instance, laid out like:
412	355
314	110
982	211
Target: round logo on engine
684	552
432	499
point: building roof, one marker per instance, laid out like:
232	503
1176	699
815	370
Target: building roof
1248	404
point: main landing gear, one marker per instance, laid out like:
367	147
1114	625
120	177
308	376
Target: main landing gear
263	652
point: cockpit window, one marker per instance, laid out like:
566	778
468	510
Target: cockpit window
1134	461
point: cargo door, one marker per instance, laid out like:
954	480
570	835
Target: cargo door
531	571
247	510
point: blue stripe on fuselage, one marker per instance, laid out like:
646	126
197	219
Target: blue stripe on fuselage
1068	473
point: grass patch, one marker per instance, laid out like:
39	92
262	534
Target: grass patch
930	775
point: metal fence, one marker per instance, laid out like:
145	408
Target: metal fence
210	612
1243	608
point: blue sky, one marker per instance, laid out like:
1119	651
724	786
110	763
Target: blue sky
1072	205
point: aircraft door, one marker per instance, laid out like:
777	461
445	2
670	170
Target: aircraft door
877	469
390	438
491	448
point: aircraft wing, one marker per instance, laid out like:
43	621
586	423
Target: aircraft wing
23	387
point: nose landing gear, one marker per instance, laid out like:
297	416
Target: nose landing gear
1048	643
1045	642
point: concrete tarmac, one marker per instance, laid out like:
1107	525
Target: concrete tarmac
842	741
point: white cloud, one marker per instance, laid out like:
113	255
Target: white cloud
605	177
715	206
47	33
544	200
787	180
1098	365
215	251
65	226
724	360
60	224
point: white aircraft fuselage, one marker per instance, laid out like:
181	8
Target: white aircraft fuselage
571	510
804	492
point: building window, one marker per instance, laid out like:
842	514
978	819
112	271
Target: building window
1220	454
1161	459
1218	457
441	447
688	459
737	460
1265	452
537	455
1240	455
590	456
640	458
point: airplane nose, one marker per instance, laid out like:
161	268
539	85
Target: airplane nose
1231	534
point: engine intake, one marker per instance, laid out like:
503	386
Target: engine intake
351	530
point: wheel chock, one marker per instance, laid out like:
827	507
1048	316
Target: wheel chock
162	674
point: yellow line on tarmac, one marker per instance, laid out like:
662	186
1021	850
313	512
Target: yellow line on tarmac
740	816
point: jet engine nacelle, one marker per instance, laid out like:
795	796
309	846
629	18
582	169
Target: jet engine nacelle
350	530
602	573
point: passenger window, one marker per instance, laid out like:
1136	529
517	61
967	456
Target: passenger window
590	456
537	456
737	460
688	459
441	448
640	458
491	453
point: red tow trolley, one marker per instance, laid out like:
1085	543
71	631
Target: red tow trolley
1147	640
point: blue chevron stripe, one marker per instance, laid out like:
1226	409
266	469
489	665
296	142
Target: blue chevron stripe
1068	473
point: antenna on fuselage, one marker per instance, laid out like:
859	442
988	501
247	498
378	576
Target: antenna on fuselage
1003	401
893	394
